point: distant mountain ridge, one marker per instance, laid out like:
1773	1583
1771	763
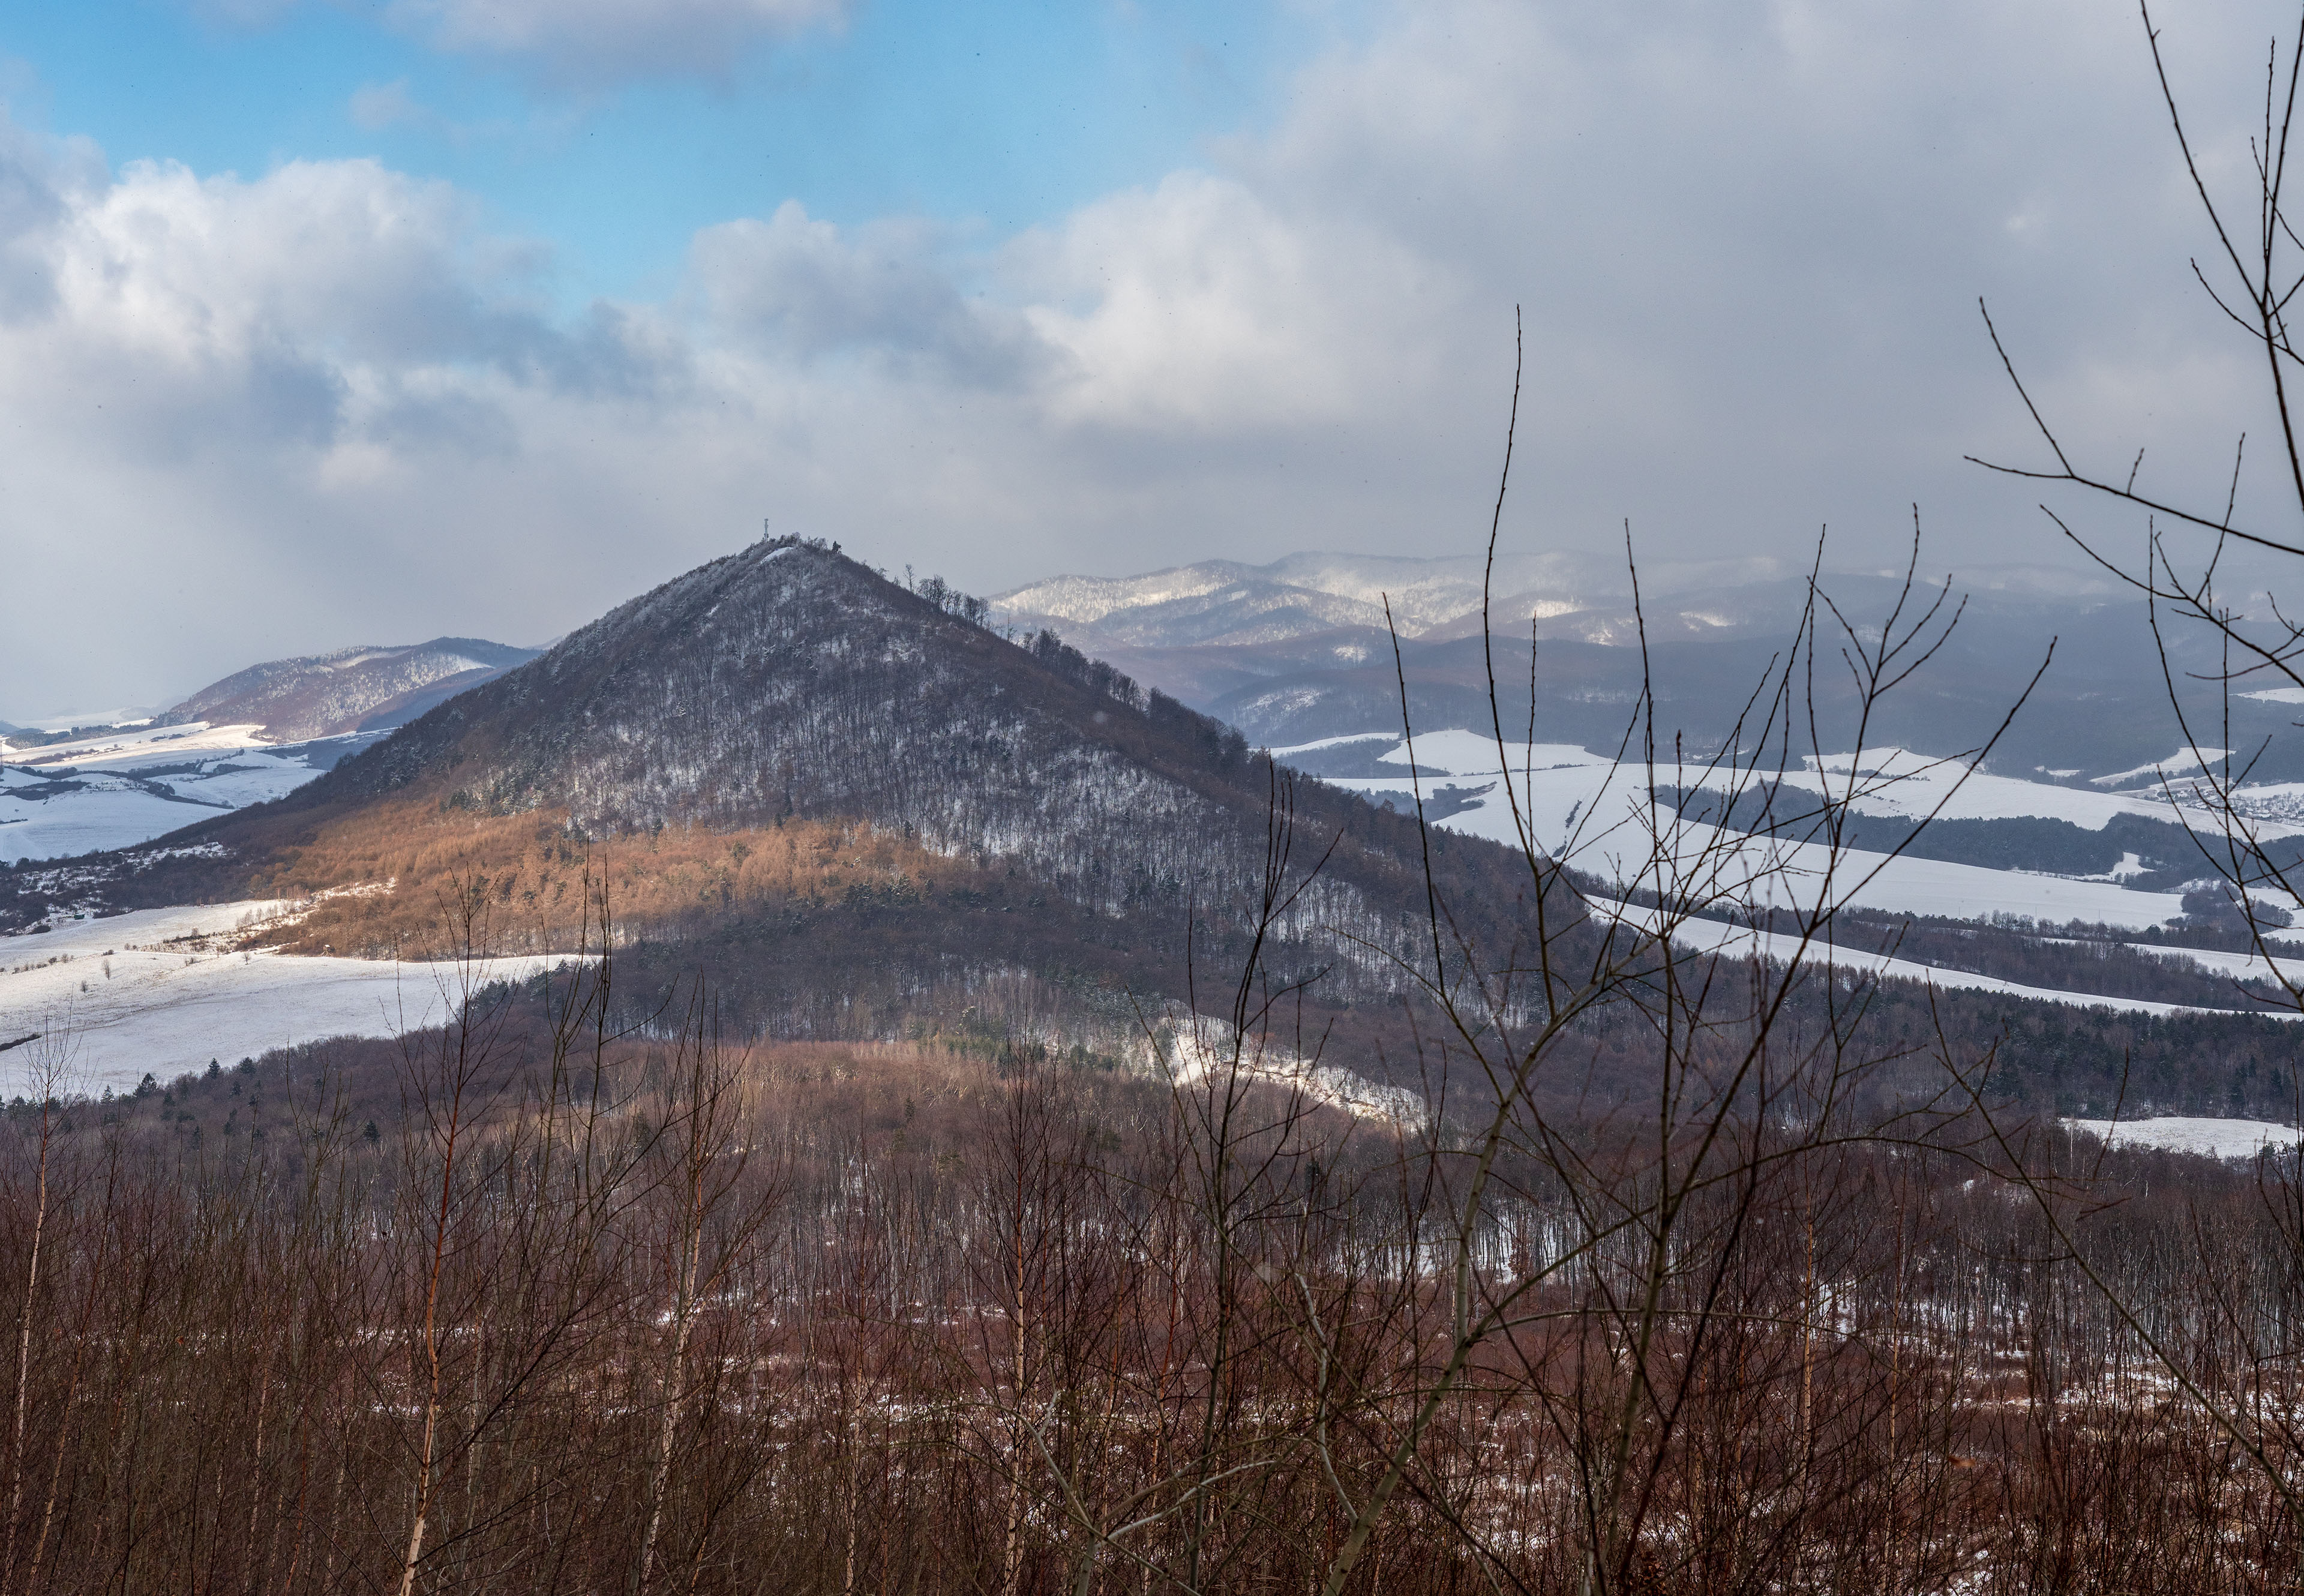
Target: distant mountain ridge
1227	603
363	689
1573	595
1298	651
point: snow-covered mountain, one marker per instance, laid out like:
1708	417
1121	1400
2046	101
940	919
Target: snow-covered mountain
847	801
1570	595
1224	603
255	736
788	680
352	690
1298	651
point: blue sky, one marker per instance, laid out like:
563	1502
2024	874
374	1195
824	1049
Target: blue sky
334	323
986	116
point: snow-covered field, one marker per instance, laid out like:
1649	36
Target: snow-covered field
1712	935
1592	812
2217	1138
154	991
132	785
128	745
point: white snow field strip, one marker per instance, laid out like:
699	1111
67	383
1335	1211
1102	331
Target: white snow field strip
1713	936
1356	737
2217	1138
1593	814
2181	760
1888	781
2277	695
2234	965
148	744
171	1002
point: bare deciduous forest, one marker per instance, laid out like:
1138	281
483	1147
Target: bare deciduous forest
590	1314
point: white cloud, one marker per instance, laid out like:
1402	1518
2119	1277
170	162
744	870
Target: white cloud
805	288
324	405
1199	306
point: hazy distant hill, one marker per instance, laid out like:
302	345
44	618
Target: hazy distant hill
352	689
1298	651
250	738
1222	603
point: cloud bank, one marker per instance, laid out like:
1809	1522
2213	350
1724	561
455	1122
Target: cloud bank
248	416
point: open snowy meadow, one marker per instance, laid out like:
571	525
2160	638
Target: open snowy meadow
160	991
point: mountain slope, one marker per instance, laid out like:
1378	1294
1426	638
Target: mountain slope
787	680
835	795
352	689
1297	651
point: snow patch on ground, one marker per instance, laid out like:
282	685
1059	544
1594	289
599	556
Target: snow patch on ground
1203	1049
2130	864
2217	1138
177	996
81	822
2181	760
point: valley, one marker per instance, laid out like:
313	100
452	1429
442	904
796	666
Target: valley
807	810
1403	799
791	934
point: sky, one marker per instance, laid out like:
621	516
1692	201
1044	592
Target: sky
365	322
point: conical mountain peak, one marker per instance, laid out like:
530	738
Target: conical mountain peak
789	679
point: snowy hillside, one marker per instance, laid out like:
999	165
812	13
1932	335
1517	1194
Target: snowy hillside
352	689
131	784
1299	650
162	990
1222	601
1586	809
257	736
